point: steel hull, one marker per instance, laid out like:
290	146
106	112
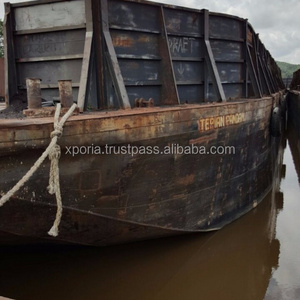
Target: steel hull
118	197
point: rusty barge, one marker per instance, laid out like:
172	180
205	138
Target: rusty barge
293	104
162	92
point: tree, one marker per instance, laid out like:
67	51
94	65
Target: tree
1	39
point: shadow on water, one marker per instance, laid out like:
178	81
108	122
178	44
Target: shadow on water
252	258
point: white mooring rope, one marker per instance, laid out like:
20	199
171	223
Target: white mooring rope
53	151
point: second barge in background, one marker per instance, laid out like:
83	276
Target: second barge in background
293	101
177	85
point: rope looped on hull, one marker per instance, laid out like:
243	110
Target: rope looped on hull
53	152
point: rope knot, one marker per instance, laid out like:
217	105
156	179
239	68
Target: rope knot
55	153
57	131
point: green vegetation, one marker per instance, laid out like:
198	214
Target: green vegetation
1	39
287	69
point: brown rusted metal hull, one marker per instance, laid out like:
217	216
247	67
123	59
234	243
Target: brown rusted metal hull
294	109
118	197
294	126
170	86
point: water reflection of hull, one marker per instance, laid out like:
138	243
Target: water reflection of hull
234	263
119	198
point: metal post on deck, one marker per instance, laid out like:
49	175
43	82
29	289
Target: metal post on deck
65	93
34	98
211	63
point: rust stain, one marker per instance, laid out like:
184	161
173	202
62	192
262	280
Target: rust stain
144	39
45	112
122	41
249	37
189	179
152	206
205	138
108	198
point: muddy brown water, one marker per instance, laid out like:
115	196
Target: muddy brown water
256	257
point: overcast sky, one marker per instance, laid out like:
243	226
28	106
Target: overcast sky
277	21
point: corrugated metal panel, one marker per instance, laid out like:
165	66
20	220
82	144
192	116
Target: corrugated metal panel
228	44
185	36
136	49
135	30
49	15
49	43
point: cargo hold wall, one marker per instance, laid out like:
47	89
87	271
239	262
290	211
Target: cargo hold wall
122	52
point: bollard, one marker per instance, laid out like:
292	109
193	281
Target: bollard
65	93
34	98
141	102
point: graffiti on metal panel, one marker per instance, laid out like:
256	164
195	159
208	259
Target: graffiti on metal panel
181	45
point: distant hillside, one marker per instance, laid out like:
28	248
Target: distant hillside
287	69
